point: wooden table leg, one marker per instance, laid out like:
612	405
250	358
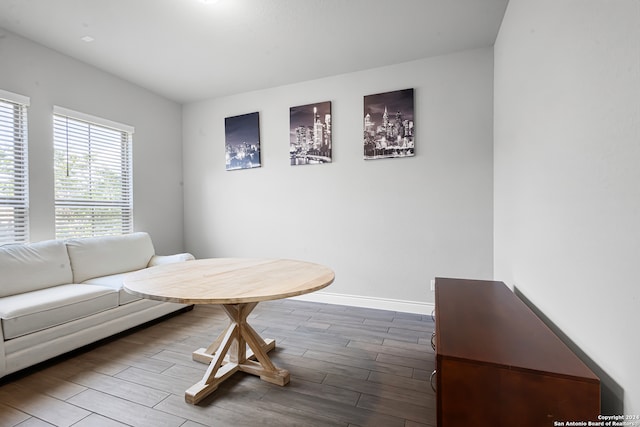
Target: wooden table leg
228	354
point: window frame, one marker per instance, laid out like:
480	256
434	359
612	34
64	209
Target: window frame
97	199
14	180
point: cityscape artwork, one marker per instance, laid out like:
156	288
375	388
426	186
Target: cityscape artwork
389	125
242	141
310	134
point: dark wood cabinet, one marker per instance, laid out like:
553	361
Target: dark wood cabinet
498	364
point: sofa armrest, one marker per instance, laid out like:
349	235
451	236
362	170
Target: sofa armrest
3	359
168	259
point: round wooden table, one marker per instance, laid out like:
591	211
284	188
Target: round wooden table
238	284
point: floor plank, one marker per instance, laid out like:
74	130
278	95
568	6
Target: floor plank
350	367
123	410
39	405
10	417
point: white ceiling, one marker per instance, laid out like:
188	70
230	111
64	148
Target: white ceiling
187	50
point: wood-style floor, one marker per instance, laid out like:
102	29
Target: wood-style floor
349	367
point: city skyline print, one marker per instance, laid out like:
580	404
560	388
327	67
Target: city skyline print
242	141
310	134
389	126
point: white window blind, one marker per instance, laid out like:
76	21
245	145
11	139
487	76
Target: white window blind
93	175
14	191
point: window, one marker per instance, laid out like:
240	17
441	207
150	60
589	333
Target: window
14	191
92	166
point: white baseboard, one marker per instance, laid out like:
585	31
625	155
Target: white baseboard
369	302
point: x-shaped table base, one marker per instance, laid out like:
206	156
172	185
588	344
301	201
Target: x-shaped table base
228	354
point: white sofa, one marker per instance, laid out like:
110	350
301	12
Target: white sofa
56	296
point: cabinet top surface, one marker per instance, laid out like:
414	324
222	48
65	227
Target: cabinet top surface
484	321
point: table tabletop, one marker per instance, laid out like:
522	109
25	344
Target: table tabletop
228	280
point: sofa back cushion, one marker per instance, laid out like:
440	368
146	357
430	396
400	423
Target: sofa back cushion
102	256
34	266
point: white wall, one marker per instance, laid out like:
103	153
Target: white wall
50	78
567	156
385	226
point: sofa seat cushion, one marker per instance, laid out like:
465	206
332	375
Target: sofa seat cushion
34	311
103	256
114	282
29	267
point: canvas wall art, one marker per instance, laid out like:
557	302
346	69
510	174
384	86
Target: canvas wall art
242	141
310	134
389	126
